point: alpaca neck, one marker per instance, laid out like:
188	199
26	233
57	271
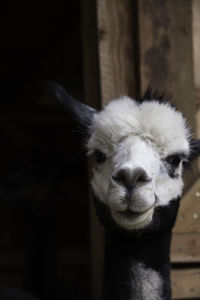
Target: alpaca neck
137	267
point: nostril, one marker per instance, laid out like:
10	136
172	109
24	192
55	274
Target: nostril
129	178
123	177
142	176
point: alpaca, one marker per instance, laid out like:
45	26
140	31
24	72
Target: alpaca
140	149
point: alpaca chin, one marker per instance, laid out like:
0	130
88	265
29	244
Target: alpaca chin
133	220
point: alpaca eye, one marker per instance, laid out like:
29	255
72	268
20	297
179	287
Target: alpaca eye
174	160
99	156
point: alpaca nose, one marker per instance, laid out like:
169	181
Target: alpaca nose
130	177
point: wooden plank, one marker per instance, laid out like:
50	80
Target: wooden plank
91	78
185	248
185	283
112	77
92	94
196	47
188	220
116	48
196	60
165	43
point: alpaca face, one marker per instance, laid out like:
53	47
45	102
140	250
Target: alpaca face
139	151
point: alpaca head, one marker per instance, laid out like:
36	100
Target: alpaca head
140	149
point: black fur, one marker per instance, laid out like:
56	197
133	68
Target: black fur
163	219
151	94
78	115
156	95
77	110
124	248
172	172
194	148
122	253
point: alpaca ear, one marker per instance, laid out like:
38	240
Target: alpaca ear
194	149
79	112
78	117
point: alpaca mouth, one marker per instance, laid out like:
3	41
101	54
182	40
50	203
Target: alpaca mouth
134	214
133	220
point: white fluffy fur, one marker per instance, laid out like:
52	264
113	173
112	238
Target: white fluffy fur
133	136
146	283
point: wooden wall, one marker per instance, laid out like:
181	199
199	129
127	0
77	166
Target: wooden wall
137	42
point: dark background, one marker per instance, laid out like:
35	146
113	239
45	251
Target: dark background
44	210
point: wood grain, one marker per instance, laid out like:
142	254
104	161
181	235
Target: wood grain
165	41
185	283
185	248
196	47
188	220
116	48
196	61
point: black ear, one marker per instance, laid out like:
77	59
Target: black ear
194	149
78	116
78	111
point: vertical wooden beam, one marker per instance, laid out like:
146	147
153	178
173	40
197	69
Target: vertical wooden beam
196	51
109	72
165	38
92	95
91	73
116	28
166	50
166	60
196	60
